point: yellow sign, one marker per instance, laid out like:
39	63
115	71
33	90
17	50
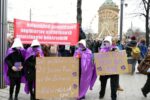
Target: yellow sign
57	77
110	63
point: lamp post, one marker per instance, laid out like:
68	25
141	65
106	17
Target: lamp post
121	18
30	15
3	42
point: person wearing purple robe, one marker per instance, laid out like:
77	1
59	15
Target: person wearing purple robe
30	69
14	65
87	72
114	79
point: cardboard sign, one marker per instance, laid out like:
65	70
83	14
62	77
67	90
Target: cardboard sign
110	63
46	33
57	77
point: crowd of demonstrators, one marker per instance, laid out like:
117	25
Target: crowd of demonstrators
22	66
94	45
141	55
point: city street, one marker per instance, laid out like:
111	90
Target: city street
130	83
61	44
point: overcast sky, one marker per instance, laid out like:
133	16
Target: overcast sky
64	11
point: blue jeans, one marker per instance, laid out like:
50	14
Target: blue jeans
133	63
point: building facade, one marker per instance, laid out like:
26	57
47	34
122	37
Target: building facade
108	19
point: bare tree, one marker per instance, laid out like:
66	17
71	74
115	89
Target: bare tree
143	10
79	12
79	18
146	5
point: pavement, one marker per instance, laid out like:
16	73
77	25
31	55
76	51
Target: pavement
131	84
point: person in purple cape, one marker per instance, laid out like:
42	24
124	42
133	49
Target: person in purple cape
114	79
13	70
87	72
30	69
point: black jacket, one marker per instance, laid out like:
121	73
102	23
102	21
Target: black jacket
30	68
63	52
16	56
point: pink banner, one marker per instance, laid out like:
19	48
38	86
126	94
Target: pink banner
46	33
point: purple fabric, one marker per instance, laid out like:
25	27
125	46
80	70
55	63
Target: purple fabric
6	78
94	77
105	49
32	52
88	74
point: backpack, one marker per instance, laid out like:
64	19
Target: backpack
135	52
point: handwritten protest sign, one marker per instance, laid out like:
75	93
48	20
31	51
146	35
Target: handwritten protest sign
57	77
109	63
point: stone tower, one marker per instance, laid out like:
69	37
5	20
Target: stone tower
108	19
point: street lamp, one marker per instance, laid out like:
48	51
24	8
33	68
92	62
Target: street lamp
30	15
3	42
121	18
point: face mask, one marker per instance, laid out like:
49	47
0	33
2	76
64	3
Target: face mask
81	46
107	44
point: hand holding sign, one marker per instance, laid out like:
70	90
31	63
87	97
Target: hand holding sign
18	66
38	54
78	55
14	68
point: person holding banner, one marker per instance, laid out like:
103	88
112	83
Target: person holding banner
114	79
30	70
87	70
13	70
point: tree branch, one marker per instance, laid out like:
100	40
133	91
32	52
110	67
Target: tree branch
139	14
144	3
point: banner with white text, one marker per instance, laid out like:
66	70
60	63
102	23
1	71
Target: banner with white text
46	33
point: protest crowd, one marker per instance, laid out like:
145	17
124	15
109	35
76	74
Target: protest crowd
20	63
50	57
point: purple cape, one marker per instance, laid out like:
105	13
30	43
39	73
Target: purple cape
88	74
6	78
31	52
105	49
